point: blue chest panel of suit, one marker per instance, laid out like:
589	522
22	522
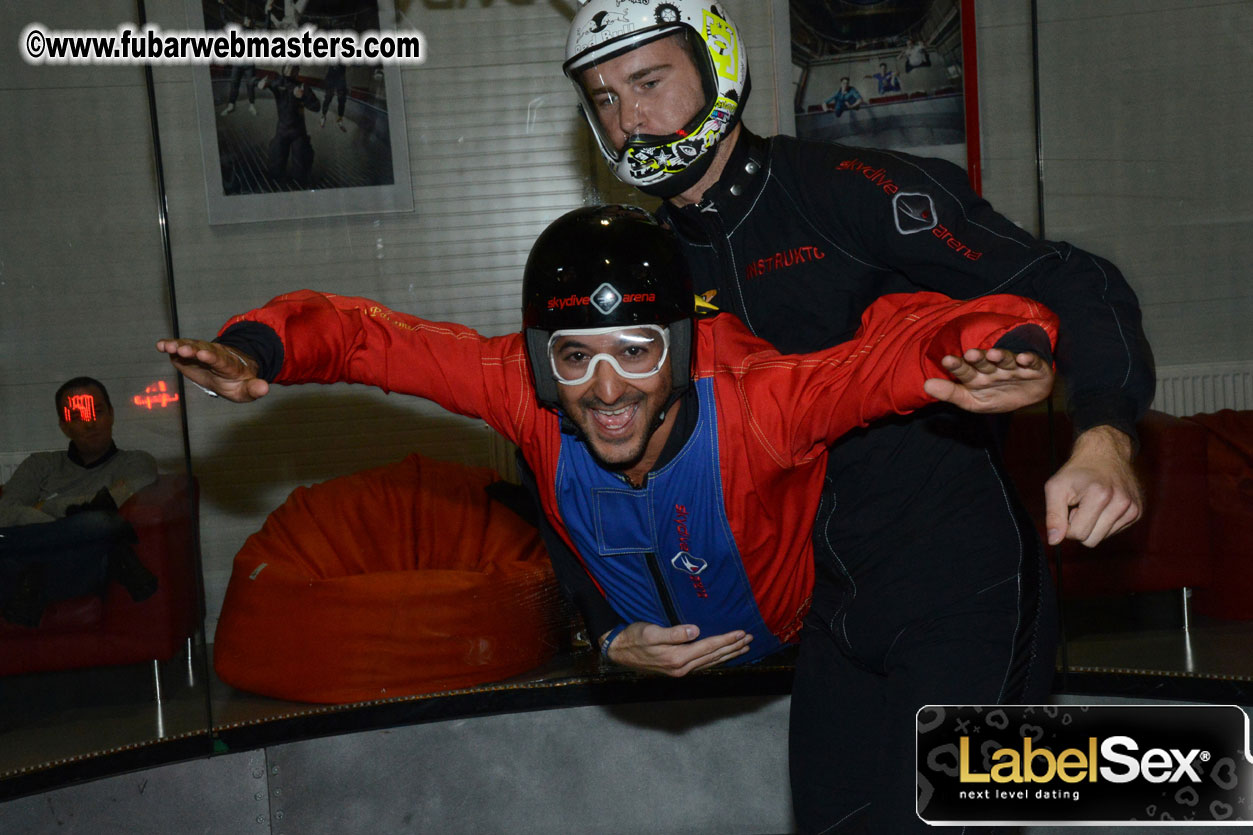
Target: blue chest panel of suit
663	553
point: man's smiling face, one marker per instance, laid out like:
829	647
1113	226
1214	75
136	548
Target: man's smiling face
617	415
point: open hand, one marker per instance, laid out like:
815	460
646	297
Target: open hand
219	369
992	381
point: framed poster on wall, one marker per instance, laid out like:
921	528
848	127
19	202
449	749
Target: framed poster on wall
283	140
894	74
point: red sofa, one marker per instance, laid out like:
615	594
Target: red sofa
1229	456
96	630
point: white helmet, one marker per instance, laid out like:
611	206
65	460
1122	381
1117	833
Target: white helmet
605	29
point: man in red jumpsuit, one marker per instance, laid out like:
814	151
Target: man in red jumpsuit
681	460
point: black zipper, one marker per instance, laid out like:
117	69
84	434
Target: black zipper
654	565
663	591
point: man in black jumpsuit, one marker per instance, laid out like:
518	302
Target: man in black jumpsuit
930	583
245	74
291	138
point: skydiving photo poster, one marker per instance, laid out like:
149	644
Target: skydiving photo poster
284	140
893	74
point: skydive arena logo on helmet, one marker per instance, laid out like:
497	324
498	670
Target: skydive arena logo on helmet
1084	764
605	298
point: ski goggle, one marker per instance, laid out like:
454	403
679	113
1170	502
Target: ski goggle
635	352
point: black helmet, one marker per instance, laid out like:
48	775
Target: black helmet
605	266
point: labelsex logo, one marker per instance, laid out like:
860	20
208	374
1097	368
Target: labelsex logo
1040	765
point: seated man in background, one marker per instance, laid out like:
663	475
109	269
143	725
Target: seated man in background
60	532
680	460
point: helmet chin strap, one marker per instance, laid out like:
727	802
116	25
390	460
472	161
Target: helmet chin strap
676	393
677	184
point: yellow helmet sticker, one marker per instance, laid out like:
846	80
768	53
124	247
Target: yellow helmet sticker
724	46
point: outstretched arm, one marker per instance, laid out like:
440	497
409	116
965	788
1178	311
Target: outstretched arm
216	368
308	337
901	359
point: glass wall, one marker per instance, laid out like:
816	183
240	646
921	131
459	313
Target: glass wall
1139	159
483	146
84	290
1143	160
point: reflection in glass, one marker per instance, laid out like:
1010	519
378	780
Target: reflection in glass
117	665
1162	190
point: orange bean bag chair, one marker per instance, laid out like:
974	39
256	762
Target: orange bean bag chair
393	581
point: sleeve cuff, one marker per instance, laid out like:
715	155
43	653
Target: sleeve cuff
1027	338
258	341
1119	412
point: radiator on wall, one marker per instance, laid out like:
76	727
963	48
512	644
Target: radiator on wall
1191	389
